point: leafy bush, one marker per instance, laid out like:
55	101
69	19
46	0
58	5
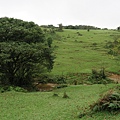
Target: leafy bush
61	86
12	88
60	79
99	77
110	102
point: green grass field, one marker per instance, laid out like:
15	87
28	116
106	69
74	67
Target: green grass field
75	53
45	106
80	54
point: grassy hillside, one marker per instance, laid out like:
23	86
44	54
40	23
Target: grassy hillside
79	51
45	106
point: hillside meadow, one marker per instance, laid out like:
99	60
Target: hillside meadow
80	51
77	51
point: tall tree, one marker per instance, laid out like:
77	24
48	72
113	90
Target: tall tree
24	52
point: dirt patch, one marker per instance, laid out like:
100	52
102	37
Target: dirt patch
45	87
115	77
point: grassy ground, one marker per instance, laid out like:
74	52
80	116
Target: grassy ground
80	54
75	54
45	106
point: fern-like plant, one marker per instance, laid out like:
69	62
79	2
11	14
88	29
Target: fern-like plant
110	101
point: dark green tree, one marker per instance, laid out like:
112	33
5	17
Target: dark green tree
19	30
60	27
24	52
118	28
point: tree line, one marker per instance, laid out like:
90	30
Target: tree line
83	27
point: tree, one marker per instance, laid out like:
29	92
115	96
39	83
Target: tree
118	28
18	30
60	27
24	52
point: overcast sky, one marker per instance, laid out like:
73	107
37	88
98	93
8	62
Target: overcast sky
99	13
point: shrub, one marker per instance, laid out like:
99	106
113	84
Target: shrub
65	95
45	78
99	77
55	95
12	88
61	86
110	102
94	44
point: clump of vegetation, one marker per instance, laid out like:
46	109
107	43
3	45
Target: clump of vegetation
60	79
60	29
94	44
75	82
99	77
114	47
65	95
79	34
77	78
61	86
12	88
46	78
109	102
55	95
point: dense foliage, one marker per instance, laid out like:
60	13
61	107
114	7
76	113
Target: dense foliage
19	30
24	52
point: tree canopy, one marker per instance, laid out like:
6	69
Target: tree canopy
19	30
24	52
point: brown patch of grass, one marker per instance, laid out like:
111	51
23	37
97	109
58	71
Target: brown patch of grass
45	87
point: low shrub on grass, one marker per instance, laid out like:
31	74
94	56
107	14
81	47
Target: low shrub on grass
12	88
99	77
2	90
65	95
55	95
109	102
61	86
60	79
